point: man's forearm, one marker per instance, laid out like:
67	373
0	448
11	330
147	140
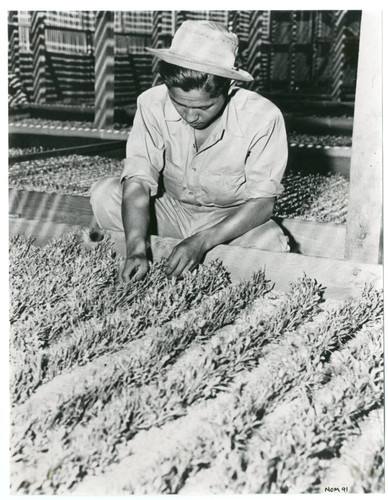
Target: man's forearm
250	215
135	213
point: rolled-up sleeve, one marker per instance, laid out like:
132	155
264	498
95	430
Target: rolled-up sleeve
267	161
145	150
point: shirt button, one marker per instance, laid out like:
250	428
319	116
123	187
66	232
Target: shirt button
194	169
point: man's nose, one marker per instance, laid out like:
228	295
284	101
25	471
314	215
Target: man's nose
191	115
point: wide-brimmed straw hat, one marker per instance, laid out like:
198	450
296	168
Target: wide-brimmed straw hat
203	46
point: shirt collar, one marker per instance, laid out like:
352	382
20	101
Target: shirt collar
229	119
170	113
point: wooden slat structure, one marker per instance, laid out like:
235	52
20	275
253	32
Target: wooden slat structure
39	63
296	52
72	76
14	45
104	70
161	36
292	53
364	227
338	55
257	59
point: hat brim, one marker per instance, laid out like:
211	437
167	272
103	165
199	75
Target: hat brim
197	65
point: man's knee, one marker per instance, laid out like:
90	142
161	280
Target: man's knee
105	198
102	190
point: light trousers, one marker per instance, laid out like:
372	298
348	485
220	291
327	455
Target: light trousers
175	219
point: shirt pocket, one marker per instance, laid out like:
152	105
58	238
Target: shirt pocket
173	178
222	189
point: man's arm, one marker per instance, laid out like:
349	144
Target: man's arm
188	254
135	213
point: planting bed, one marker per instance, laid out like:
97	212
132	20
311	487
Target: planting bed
314	197
306	196
13	152
71	174
326	140
41	122
191	386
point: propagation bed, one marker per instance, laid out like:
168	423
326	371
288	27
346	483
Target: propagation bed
152	387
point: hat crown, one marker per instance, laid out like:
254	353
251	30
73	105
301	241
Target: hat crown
206	41
204	46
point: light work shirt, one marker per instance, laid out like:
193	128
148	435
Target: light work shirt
243	158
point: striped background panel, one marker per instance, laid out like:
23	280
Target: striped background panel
70	63
104	70
38	57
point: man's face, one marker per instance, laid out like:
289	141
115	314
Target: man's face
196	107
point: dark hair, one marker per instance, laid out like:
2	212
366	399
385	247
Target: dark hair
189	79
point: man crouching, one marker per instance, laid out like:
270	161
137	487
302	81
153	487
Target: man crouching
204	159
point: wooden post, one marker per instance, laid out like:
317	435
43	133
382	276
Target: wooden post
364	226
104	70
39	67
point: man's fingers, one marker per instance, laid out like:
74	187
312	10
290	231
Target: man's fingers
170	259
125	275
129	270
179	262
172	263
182	267
170	270
192	265
141	271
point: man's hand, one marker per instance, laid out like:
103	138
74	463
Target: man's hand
186	255
189	253
133	268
